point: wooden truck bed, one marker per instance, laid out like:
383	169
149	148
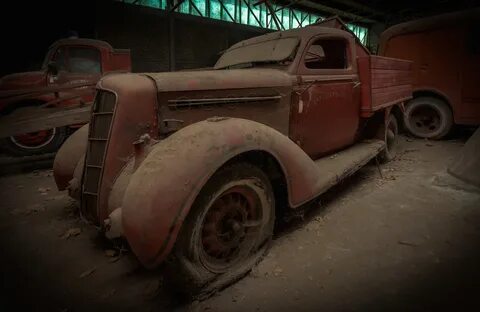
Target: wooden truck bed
384	82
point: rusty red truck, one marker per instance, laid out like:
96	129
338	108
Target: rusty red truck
67	78
194	166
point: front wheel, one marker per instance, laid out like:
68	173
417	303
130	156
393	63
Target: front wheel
389	133
226	232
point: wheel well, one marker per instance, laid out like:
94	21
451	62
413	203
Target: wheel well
25	103
271	167
397	112
427	93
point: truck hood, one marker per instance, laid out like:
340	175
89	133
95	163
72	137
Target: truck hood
221	79
27	80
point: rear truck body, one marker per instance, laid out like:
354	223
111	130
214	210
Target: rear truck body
193	166
68	76
445	51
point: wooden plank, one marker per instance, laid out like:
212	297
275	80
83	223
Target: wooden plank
388	79
390	63
42	119
390	94
49	89
385	81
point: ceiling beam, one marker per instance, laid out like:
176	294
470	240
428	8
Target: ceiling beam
361	7
341	13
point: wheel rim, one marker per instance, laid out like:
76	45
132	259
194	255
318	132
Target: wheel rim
425	120
230	228
34	140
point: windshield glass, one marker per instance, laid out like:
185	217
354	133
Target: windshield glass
270	51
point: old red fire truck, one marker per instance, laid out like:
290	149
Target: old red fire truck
67	78
194	166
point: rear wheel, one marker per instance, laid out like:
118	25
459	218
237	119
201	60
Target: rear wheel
428	117
226	232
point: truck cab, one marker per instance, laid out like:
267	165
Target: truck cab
67	62
194	166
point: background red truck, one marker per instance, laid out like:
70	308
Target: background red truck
445	51
195	165
70	70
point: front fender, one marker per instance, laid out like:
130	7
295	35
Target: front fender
165	185
68	156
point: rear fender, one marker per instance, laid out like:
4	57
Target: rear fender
165	185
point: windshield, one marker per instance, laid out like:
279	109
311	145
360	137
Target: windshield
270	51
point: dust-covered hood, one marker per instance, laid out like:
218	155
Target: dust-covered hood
221	79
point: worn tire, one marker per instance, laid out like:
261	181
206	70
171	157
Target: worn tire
15	149
191	269
428	117
388	132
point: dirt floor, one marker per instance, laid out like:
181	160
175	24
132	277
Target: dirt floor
407	241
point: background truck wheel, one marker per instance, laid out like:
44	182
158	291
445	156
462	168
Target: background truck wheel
428	117
226	232
389	132
34	143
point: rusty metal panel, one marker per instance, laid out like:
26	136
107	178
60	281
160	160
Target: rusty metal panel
270	106
325	115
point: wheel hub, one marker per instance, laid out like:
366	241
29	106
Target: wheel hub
425	119
227	226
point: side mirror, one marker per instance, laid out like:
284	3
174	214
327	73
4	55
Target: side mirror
52	68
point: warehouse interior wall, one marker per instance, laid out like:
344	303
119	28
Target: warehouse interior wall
196	42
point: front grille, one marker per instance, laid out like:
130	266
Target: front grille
102	114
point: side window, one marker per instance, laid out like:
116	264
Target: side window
328	53
84	60
60	59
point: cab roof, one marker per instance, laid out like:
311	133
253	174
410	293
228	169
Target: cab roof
302	33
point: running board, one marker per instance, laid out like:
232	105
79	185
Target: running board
334	168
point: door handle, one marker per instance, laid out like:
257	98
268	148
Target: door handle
356	84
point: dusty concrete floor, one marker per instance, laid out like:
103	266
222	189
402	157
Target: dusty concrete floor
407	241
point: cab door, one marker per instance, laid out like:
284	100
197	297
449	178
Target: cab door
326	110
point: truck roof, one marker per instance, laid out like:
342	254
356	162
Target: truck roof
302	33
429	23
82	41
